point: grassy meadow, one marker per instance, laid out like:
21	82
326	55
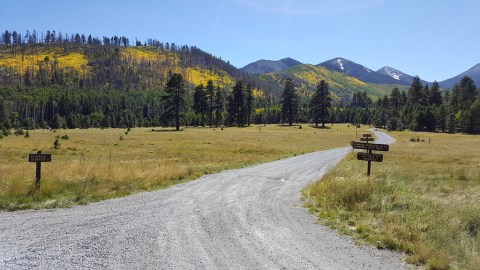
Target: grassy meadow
95	164
424	199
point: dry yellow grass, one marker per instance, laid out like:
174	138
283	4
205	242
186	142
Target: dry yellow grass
423	199
95	164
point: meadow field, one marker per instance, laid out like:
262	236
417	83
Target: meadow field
95	164
424	199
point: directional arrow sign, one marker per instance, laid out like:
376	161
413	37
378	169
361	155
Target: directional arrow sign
367	135
366	139
370	146
370	157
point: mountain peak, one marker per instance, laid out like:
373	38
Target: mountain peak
358	71
395	74
266	66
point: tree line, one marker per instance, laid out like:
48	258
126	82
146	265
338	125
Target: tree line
421	108
425	108
119	92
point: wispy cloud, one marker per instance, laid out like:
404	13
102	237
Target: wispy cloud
309	7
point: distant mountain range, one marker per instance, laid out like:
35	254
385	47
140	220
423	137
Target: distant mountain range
386	75
358	71
473	73
267	66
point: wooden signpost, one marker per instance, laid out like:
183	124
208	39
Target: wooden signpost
39	158
370	146
369	156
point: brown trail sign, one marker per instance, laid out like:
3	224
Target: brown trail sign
370	146
39	158
369	156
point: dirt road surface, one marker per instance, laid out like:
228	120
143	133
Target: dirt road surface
248	218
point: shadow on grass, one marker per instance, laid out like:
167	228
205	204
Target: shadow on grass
165	130
287	125
320	127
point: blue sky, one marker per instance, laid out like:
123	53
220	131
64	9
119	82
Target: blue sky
433	39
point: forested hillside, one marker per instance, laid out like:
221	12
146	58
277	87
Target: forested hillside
84	81
55	80
306	77
86	63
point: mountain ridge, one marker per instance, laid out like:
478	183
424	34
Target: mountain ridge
387	74
263	66
473	73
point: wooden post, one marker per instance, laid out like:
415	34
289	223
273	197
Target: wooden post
369	167
38	158
38	173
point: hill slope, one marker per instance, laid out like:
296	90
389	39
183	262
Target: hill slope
267	66
473	73
114	67
306	77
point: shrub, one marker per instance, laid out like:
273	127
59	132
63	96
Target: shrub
56	143
19	132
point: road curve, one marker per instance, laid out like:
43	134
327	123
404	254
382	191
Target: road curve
248	218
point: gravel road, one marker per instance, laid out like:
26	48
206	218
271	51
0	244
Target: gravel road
248	218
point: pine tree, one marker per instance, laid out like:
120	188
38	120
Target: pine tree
435	97
248	103
289	101
451	123
455	98
3	109
210	96
416	92
441	118
396	100
219	106
385	102
468	92
320	103
175	98
200	102
475	115
236	104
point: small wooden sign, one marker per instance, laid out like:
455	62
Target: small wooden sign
366	139
40	157
370	157
370	146
367	135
